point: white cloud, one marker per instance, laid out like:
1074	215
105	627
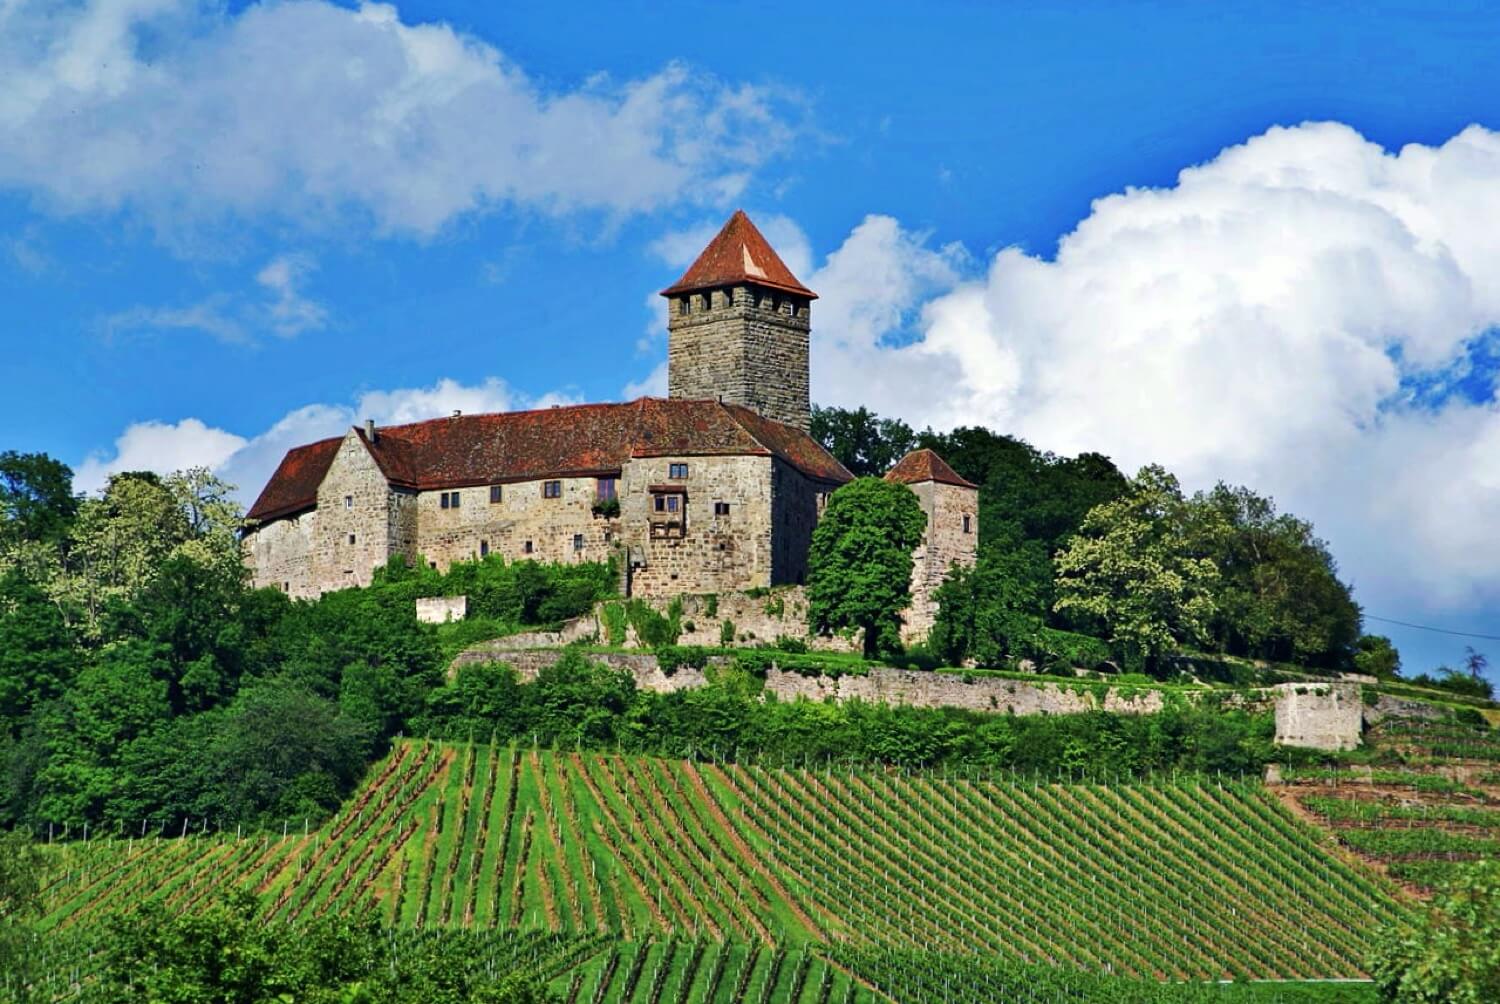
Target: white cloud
248	462
310	110
654	384
1260	321
160	447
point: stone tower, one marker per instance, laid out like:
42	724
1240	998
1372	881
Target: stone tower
738	324
951	537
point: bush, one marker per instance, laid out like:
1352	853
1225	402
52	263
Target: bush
613	616
671	657
1052	648
726	634
651	628
787	643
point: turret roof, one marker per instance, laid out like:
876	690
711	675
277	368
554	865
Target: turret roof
739	254
925	465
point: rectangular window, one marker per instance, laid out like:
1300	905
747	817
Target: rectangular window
721	508
484	548
604	489
966	524
551	489
578	542
444	500
348	501
526	547
351	538
495	493
456	499
677	472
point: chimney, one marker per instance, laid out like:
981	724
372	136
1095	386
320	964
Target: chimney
370	429
456	413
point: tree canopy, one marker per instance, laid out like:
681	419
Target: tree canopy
1449	954
860	560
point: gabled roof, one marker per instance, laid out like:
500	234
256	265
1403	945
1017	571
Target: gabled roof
924	465
576	441
739	254
294	486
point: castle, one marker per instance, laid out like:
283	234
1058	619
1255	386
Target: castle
715	488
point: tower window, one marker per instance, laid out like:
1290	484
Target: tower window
496	493
578	542
677	472
484	549
708	301
551	489
348	501
968	523
722	509
351	538
682	305
526	547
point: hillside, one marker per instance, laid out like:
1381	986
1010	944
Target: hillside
1175	880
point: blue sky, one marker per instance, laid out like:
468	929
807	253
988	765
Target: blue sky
224	230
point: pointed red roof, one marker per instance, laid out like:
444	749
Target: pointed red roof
924	465
739	254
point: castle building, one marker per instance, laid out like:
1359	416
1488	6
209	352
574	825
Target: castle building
715	488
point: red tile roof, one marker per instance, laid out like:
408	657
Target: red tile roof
576	441
739	254
924	465
294	486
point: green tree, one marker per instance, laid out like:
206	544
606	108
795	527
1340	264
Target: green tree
860	562
37	654
1278	595
1374	655
992	610
22	877
862	441
1135	569
1450	953
36	498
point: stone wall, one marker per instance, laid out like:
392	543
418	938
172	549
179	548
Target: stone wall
759	618
442	609
353	534
562	529
746	346
1325	716
279	555
716	553
945	543
797	503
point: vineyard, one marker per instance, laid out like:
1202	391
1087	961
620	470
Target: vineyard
1428	801
1169	880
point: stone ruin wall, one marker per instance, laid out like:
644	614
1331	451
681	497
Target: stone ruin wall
1325	716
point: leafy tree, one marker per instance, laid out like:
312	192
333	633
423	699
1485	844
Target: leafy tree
992	610
1374	655
1450	954
1135	569
36	498
865	443
1475	663
859	563
37	654
1278	595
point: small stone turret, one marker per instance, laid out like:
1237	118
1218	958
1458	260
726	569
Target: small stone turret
951	537
738	324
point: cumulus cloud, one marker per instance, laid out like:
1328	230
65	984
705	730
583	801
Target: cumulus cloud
1278	317
160	447
247	462
290	312
311	110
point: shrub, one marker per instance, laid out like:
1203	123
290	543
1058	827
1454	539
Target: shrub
607	508
788	643
653	630
711	605
1053	648
671	657
613	616
726	634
